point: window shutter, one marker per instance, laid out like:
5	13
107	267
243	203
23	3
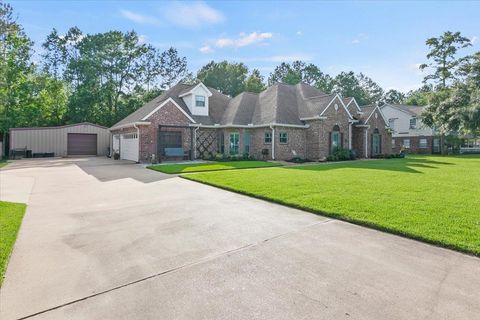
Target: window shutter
341	140
330	143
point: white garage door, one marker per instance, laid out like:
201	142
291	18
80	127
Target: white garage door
129	146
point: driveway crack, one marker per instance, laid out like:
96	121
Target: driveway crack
159	274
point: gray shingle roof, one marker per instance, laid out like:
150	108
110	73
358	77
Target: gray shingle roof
280	103
412	110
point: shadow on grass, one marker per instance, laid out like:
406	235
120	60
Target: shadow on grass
400	165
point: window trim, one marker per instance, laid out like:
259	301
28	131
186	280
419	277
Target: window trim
405	145
280	137
197	100
420	143
414	125
265	137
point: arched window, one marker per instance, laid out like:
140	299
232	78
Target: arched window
376	142
335	139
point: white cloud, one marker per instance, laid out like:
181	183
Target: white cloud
206	49
299	33
360	38
192	15
474	39
355	41
243	40
139	18
276	58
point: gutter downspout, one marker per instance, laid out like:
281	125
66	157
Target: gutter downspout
273	141
138	139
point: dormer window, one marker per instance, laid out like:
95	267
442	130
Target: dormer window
200	101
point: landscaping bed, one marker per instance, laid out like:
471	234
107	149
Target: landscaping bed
211	166
11	215
430	198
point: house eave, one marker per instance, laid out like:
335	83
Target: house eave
222	126
130	124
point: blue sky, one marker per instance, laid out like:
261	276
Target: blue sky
385	40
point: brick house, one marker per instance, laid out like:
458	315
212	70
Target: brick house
408	130
281	122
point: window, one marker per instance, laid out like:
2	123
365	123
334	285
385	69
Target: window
199	101
423	143
247	139
376	142
413	123
406	143
283	137
268	137
234	143
436	145
391	123
220	143
393	143
335	139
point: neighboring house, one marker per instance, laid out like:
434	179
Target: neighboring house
281	122
408	130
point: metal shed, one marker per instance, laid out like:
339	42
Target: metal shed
70	140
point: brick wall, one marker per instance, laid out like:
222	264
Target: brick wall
414	144
376	122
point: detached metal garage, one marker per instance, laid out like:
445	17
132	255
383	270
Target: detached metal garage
71	140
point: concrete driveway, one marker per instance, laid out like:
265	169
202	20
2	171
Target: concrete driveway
104	239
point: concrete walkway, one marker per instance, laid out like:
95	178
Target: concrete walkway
104	239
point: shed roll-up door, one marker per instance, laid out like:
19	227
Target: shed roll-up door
82	144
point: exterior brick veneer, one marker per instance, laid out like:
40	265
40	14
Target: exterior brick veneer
414	144
312	143
358	142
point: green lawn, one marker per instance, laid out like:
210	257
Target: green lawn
11	215
3	163
431	198
211	166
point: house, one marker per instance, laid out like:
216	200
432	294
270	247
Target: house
408	130
281	122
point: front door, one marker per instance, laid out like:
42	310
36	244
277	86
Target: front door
234	142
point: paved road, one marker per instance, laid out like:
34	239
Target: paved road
104	239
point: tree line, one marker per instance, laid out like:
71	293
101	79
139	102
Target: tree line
103	77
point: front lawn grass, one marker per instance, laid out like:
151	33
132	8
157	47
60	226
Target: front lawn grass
11	215
431	198
3	163
211	166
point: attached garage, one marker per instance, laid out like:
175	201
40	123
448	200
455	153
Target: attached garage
81	139
129	146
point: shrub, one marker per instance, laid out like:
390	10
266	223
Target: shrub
341	154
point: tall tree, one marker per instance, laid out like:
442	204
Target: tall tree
362	88
420	96
299	71
109	73
393	96
254	82
228	78
443	56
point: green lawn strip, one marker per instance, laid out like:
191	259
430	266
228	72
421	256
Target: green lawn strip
429	198
3	163
211	166
11	215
